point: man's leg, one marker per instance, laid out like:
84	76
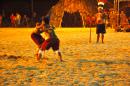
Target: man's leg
59	55
102	38
55	47
37	39
43	48
98	36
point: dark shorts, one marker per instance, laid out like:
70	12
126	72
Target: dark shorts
38	39
54	44
100	29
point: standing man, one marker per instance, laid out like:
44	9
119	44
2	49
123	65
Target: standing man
13	18
100	22
18	19
0	20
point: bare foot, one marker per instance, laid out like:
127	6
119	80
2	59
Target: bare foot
97	42
44	61
62	60
37	57
45	58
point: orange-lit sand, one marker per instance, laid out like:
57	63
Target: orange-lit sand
86	64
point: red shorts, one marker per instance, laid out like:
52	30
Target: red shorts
45	44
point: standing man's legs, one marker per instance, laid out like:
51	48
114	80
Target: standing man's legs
98	37
100	30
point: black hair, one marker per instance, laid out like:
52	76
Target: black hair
47	19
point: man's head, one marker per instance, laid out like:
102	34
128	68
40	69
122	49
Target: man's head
100	9
47	19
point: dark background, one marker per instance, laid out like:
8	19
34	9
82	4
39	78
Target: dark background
41	7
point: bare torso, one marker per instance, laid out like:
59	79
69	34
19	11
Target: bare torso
99	18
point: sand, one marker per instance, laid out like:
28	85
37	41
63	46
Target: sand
86	64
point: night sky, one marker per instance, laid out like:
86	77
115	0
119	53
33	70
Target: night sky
41	7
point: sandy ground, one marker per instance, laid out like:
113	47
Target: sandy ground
86	64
